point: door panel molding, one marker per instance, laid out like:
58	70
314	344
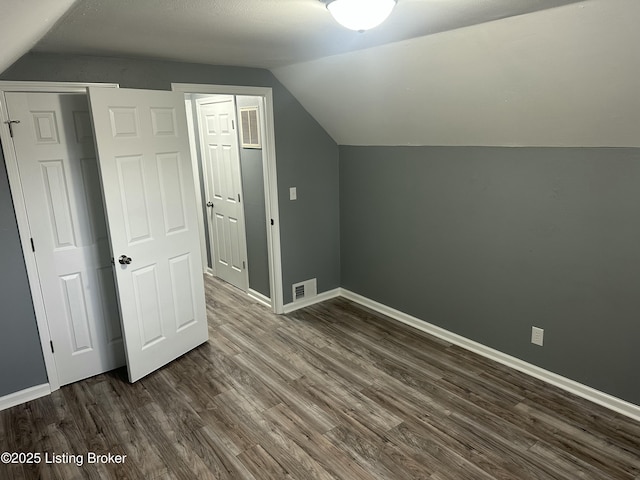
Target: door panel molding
269	173
152	217
20	208
223	188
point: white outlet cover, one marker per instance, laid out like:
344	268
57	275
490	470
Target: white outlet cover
537	336
293	193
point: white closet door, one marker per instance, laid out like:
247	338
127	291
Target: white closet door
59	178
223	188
149	195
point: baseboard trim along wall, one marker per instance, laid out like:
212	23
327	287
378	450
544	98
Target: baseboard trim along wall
306	302
24	396
257	296
609	401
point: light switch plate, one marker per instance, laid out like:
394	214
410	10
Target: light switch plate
293	193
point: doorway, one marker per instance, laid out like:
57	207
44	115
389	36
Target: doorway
259	197
144	186
162	121
57	163
22	216
223	195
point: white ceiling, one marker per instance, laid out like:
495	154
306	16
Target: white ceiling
23	23
561	77
522	72
256	33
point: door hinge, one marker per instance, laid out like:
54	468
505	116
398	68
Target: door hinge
10	122
272	222
33	247
238	198
233	125
51	343
244	265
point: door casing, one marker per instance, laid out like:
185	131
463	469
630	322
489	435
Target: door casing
11	162
269	174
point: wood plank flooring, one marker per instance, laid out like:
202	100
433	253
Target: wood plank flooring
330	391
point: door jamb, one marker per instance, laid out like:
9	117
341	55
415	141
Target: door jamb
269	173
19	204
194	167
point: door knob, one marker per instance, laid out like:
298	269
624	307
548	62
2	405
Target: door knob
124	260
210	204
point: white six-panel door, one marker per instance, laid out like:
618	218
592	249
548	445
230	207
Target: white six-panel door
59	177
223	189
149	196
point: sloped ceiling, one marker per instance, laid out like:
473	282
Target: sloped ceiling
254	33
23	23
438	72
568	76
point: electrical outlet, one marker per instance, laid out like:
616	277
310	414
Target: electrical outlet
537	336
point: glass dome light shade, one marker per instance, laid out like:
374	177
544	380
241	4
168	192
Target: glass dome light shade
360	15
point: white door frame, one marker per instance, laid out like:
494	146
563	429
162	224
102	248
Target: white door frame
19	204
269	173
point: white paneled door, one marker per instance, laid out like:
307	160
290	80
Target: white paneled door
223	189
149	196
54	147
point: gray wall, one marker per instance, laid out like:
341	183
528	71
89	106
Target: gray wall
254	208
486	242
306	156
21	361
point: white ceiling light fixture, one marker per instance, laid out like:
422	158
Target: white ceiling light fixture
360	15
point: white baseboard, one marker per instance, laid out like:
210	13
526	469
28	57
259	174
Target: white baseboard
24	396
257	296
321	297
609	401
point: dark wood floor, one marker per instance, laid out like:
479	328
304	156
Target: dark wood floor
331	391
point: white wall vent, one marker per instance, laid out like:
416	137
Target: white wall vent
250	127
305	289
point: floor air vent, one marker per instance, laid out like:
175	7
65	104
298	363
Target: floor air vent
304	290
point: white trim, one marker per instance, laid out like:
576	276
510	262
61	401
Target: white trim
609	401
51	87
24	396
270	176
196	178
219	89
19	204
258	297
321	297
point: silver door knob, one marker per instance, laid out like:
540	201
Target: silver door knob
210	204
124	260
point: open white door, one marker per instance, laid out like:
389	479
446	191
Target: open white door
59	179
223	188
145	167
